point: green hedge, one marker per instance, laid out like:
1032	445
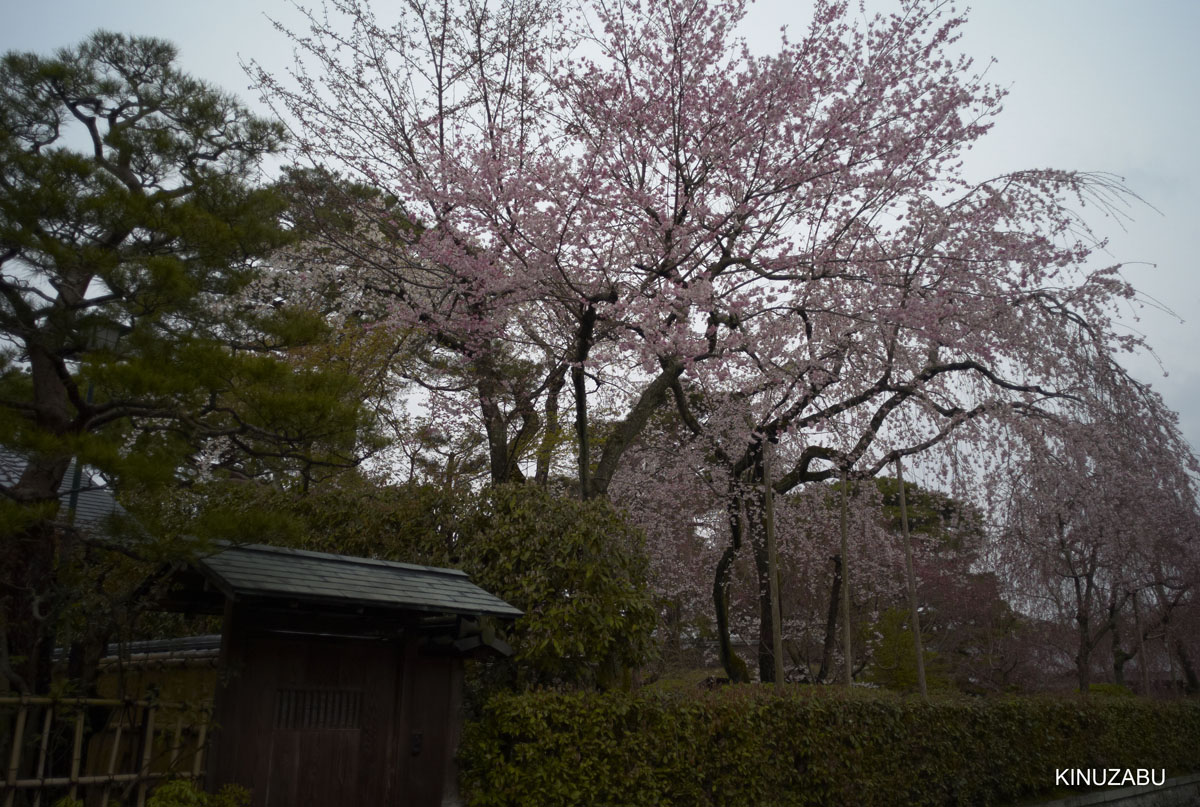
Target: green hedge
812	746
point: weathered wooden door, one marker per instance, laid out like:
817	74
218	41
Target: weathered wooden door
311	722
429	728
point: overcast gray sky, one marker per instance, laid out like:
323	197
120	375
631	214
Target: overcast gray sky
1096	85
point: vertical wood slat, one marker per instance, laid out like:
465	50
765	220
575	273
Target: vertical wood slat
41	765
14	758
77	753
112	761
198	757
176	742
147	750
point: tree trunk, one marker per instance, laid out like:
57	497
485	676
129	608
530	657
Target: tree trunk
1119	657
28	586
584	456
583	345
495	427
831	622
27	594
1083	658
1143	660
550	433
766	633
735	668
627	430
673	642
1191	680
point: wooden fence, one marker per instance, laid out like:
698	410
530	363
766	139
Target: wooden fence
97	749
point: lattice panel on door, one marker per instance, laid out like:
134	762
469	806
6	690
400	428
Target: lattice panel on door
318	709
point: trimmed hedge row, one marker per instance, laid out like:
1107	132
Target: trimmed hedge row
811	746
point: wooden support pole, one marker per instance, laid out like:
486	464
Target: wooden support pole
112	761
912	585
14	757
47	724
147	750
77	754
772	565
847	630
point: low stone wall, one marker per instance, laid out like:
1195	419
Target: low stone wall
1182	791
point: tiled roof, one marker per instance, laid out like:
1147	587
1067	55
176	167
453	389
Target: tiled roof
254	570
93	505
208	643
183	647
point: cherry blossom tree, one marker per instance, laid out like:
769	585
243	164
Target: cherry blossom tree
621	206
638	207
1101	508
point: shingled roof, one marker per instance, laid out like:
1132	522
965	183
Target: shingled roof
255	571
94	502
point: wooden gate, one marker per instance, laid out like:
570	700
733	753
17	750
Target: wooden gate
340	678
307	721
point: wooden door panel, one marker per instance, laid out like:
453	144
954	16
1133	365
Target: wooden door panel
320	713
425	741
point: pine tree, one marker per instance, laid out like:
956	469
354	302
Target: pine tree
132	220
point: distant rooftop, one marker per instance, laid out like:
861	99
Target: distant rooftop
255	571
266	572
93	505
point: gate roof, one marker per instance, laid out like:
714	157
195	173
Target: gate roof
319	578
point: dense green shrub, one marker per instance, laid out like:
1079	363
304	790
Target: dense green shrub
577	569
816	746
894	659
180	793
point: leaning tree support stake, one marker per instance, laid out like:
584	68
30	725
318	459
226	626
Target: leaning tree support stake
846	634
773	564
912	584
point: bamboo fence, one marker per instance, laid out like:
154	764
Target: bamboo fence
143	741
